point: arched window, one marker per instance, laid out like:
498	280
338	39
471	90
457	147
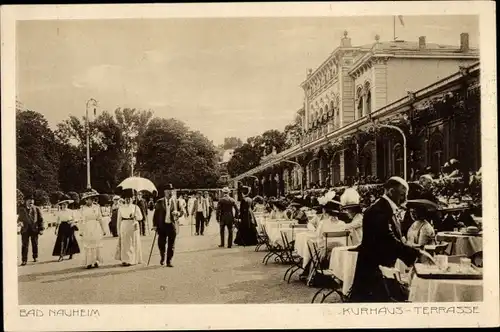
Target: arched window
368	98
359	96
436	152
398	160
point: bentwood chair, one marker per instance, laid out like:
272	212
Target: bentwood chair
292	258
275	251
328	283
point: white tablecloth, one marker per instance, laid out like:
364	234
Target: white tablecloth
461	244
301	245
343	265
275	234
444	290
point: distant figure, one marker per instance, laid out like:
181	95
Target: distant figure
141	203
30	220
200	212
227	211
114	216
247	227
210	204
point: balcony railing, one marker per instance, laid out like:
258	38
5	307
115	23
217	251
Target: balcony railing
319	131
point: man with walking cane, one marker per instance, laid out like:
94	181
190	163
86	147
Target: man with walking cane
166	225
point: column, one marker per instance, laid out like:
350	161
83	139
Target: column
342	166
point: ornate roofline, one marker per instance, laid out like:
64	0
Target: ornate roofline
332	57
396	107
367	60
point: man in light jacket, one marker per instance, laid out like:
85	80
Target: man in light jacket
200	213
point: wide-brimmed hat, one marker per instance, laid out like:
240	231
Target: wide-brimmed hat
245	190
422	203
350	198
332	207
65	199
116	198
89	193
226	190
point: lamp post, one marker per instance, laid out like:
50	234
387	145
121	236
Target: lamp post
300	173
90	102
404	141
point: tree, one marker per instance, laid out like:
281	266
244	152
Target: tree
41	198
231	143
133	124
250	154
244	158
170	153
37	157
108	152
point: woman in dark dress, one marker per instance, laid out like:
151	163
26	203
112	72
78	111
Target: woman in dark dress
66	243
247	226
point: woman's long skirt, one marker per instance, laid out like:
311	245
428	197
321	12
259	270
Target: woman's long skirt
246	235
129	248
66	243
92	235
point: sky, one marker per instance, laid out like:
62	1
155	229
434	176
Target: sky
221	76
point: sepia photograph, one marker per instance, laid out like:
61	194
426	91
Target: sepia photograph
315	160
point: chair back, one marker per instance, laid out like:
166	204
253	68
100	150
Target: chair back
337	234
477	259
441	248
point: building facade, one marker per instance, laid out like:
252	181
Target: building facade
365	107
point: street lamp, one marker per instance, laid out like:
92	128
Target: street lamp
300	173
402	135
90	102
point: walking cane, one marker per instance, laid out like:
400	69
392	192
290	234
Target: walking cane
152	246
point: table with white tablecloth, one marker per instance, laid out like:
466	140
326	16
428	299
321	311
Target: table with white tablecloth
461	244
445	290
275	234
343	265
301	248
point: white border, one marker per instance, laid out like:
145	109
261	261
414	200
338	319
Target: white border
126	317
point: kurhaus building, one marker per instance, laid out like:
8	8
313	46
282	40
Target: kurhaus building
373	111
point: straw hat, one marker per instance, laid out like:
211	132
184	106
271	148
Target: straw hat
90	193
350	198
65	199
226	190
401	181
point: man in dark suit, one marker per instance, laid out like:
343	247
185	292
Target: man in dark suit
166	224
382	244
227	211
31	221
141	203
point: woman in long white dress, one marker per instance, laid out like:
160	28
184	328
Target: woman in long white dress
129	249
92	230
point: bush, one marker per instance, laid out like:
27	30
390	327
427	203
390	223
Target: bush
74	196
19	197
41	197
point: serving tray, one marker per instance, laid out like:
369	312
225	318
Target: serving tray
430	272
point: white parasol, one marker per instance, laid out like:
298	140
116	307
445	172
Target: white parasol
138	184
